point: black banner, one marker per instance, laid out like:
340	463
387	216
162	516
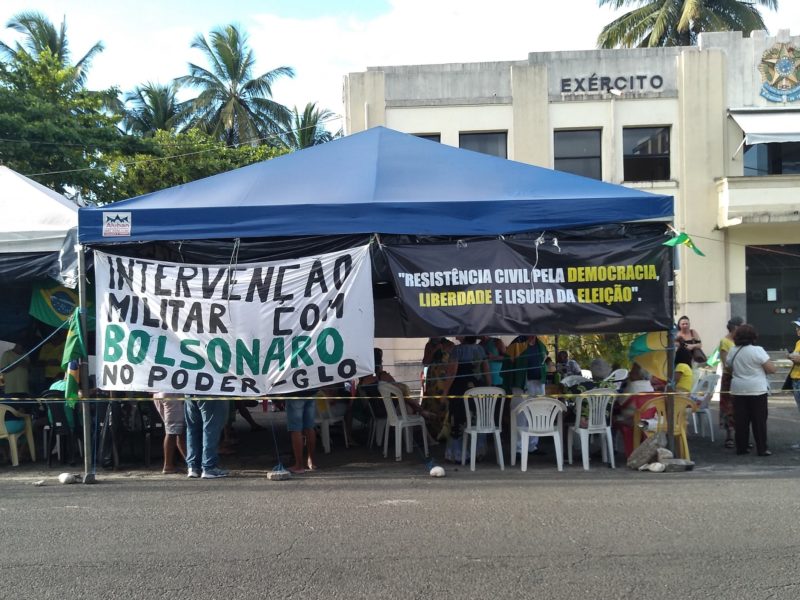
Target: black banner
609	280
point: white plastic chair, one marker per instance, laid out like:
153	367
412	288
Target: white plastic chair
618	376
398	417
325	419
544	417
599	401
571	380
701	395
27	433
484	399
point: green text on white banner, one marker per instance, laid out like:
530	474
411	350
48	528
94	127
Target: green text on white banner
261	328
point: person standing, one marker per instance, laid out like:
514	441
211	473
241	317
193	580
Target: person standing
170	408
687	340
50	356
300	415
204	422
528	368
750	365
794	374
727	420
495	353
436	360
468	368
15	366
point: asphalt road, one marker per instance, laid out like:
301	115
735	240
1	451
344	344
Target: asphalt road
603	535
363	527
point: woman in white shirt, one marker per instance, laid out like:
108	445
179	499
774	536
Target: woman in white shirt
749	365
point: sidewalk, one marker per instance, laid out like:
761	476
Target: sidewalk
255	456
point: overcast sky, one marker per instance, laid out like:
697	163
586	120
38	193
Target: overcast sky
148	40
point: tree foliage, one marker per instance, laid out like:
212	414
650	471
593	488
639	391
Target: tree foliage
233	105
105	147
306	129
152	107
55	131
613	347
653	23
41	38
178	158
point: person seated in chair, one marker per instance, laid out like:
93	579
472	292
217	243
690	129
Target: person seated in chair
340	404
566	366
638	380
368	388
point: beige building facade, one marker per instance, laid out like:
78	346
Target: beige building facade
716	126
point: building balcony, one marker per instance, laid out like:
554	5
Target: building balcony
767	199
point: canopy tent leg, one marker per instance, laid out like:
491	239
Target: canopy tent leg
83	302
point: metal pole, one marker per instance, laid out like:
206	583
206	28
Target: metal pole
83	302
670	399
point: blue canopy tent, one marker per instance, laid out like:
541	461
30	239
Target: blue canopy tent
410	191
380	181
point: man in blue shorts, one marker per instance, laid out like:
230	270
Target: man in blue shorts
300	415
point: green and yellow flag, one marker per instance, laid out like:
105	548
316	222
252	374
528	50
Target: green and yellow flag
684	239
74	350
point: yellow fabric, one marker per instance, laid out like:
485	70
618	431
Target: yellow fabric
52	352
687	377
16	380
322	406
654	362
725	345
795	372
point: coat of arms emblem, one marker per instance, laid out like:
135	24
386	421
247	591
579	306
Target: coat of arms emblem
780	72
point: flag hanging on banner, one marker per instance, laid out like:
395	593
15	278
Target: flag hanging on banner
260	328
74	350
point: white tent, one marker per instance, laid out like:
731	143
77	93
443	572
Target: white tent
33	218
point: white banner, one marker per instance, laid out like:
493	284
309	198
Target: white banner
263	328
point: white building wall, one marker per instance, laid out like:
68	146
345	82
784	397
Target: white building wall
689	89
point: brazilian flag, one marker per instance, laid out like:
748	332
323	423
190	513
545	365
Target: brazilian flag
685	240
52	303
74	350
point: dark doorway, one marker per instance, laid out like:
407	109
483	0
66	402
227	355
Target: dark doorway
773	293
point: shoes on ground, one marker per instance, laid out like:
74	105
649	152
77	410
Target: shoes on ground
796	446
194	474
215	473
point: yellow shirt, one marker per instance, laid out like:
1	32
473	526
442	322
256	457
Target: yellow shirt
795	372
687	378
52	352
725	345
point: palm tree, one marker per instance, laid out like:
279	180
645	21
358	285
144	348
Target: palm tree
153	107
678	22
41	36
233	105
307	129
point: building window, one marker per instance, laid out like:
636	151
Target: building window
646	153
577	151
492	142
434	137
772	159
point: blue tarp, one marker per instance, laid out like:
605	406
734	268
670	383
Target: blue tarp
380	181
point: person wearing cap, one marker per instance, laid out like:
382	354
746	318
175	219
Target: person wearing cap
726	417
794	374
